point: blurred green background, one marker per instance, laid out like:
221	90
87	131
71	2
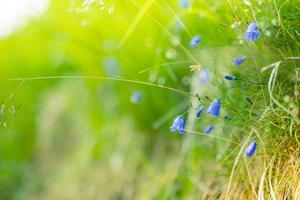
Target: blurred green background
82	138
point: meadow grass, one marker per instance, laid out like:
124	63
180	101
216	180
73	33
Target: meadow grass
123	157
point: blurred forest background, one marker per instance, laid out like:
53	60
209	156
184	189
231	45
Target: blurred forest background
68	132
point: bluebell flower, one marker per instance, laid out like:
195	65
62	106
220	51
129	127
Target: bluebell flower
208	129
228	117
251	149
204	76
239	60
230	77
252	32
184	3
136	97
215	107
249	100
199	111
178	125
195	41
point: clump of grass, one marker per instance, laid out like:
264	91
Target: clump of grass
274	117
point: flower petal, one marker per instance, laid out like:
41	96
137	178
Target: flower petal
208	129
199	111
215	107
251	149
195	41
239	60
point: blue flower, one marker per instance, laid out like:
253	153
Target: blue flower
230	77
208	129
111	66
136	97
184	3
215	107
204	76
252	32
178	125
195	41
238	60
249	100
251	149
199	111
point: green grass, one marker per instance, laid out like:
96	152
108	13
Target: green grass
75	134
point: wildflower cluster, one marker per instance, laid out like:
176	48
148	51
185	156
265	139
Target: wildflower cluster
214	108
215	105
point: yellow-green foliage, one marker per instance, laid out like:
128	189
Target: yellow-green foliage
68	128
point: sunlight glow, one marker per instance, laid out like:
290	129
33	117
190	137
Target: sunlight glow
15	13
